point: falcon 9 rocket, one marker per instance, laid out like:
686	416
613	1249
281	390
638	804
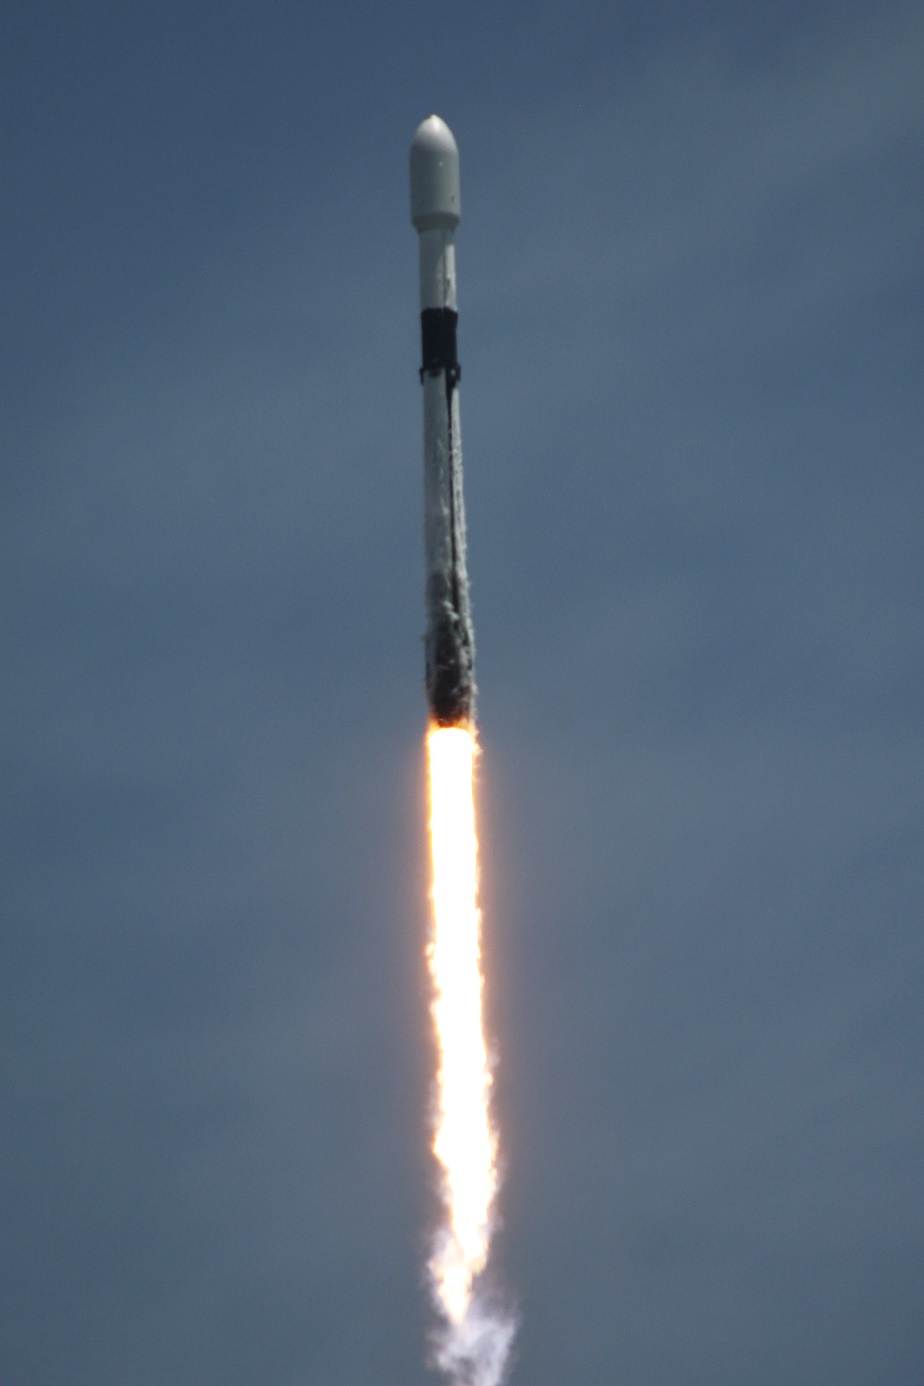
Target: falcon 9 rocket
435	206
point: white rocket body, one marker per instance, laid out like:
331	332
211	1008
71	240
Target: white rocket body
435	207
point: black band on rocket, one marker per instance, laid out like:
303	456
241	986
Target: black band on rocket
438	343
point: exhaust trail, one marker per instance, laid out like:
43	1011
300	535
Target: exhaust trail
472	1343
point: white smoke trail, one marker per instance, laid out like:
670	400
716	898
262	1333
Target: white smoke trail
473	1343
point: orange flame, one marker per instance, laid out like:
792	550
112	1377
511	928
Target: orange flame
464	1143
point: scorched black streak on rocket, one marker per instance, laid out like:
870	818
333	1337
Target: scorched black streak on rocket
435	205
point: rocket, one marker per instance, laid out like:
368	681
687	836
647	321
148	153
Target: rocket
450	646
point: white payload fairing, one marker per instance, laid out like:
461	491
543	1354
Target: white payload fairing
435	208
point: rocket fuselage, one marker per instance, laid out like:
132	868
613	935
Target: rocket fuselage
449	636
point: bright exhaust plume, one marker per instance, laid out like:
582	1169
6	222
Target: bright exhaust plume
474	1341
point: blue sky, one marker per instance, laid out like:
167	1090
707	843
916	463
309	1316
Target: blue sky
691	327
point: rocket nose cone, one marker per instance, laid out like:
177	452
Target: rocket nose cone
435	199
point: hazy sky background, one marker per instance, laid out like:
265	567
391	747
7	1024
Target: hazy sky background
691	294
